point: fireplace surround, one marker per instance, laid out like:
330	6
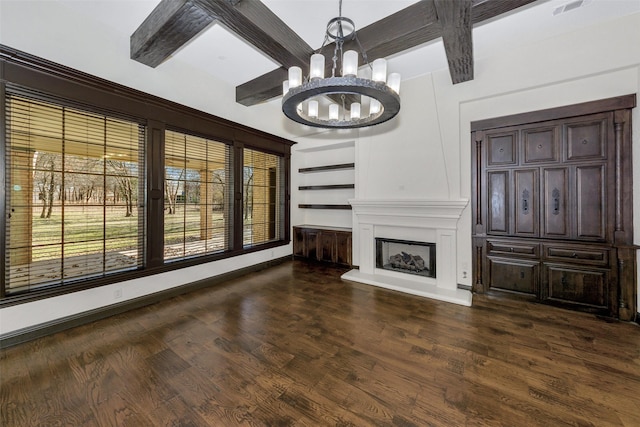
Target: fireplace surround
413	220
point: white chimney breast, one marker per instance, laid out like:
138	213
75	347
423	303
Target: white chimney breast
433	221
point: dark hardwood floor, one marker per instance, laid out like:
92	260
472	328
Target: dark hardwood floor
295	345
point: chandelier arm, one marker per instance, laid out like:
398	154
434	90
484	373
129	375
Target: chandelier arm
335	61
363	51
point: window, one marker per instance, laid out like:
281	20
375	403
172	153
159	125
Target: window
197	219
73	194
263	197
104	184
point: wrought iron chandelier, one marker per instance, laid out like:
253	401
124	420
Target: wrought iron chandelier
377	99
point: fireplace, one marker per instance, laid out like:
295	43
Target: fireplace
406	256
405	224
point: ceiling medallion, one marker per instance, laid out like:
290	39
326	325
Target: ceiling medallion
360	101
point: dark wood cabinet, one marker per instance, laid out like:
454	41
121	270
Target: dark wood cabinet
552	206
325	244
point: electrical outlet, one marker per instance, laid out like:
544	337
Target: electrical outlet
464	274
117	294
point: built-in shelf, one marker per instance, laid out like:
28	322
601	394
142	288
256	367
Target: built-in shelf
326	187
315	206
327	168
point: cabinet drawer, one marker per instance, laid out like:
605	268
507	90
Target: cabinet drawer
579	286
521	249
578	254
513	275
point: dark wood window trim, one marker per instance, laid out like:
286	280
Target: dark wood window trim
20	69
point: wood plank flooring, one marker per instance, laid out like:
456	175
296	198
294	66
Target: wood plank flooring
296	346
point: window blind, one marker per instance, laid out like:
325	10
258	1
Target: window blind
263	197
197	202
74	194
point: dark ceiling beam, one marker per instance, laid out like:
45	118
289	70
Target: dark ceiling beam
174	22
402	30
262	88
415	25
455	22
169	27
485	10
260	27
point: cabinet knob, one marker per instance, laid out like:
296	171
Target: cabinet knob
575	255
511	249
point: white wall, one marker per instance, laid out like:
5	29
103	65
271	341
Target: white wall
49	30
52	31
426	151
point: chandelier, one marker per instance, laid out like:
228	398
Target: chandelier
346	101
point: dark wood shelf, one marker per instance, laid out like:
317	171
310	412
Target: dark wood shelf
327	168
326	187
312	206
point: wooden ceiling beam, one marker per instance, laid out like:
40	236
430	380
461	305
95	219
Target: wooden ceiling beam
402	30
260	27
455	22
174	22
415	25
485	10
169	27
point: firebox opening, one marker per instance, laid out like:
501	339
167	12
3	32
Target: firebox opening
405	256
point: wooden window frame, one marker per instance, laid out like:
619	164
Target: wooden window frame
22	70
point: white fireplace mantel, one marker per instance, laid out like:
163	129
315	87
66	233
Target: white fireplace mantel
423	220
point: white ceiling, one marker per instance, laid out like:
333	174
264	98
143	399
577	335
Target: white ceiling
228	58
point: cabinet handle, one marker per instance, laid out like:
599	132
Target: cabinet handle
525	202
555	194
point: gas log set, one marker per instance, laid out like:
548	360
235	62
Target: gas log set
406	261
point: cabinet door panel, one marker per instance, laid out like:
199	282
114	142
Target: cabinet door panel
577	286
502	149
343	249
327	246
590	202
586	139
298	242
555	213
311	244
540	144
498	189
513	275
526	202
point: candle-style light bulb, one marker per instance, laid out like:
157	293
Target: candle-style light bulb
316	69
350	63
355	111
295	77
